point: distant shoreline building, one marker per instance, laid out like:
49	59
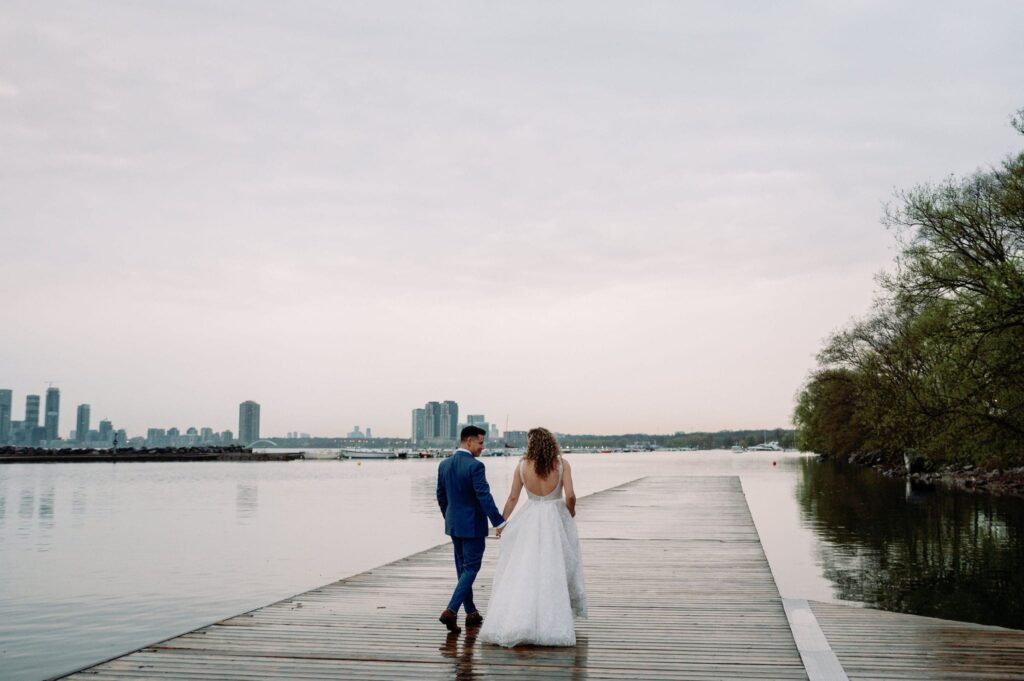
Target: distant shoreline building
437	423
419	426
248	422
6	402
31	412
516	438
106	432
52	423
82	423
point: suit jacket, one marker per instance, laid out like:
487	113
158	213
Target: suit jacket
465	497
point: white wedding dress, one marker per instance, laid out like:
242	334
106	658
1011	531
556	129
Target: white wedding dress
538	584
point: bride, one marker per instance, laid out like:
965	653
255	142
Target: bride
538	584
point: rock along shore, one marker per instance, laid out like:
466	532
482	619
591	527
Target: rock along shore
88	455
968	477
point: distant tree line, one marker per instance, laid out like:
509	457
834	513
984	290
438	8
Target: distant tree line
936	369
723	439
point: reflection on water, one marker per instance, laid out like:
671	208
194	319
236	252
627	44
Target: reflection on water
28	504
942	553
424	495
247	500
78	503
559	662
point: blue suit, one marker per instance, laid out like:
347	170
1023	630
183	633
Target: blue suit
466	504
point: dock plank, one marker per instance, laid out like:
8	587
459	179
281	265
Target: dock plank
874	644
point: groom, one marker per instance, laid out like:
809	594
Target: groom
466	504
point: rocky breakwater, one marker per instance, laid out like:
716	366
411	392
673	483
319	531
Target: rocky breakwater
89	455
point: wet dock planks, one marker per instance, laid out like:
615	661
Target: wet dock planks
873	645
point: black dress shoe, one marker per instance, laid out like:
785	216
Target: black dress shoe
450	620
474	619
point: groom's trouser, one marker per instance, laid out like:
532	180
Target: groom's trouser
469	554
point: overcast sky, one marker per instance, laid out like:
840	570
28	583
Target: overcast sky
598	217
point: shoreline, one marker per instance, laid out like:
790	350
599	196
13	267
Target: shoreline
968	477
90	455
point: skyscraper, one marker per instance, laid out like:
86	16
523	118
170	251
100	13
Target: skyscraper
106	432
450	420
156	437
433	420
436	423
248	422
82	424
419	426
31	411
6	400
52	413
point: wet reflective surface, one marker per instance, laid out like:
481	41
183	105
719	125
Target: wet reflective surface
100	559
938	552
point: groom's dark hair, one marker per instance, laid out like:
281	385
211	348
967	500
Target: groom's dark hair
471	431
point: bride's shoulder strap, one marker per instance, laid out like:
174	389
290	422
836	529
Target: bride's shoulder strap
520	467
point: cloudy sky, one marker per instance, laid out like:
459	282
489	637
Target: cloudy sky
596	216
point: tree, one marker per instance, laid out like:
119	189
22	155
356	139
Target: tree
937	367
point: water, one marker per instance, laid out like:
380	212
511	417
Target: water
943	553
100	559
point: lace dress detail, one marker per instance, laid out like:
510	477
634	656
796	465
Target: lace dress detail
538	583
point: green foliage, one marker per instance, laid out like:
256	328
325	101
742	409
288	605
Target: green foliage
937	367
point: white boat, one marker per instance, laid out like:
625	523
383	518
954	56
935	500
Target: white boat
772	446
356	453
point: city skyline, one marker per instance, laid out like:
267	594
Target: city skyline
206	434
593	217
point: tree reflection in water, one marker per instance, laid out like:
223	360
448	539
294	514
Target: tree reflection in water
941	553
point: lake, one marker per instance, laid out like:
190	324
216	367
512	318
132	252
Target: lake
100	559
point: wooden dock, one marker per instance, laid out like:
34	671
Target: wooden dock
678	587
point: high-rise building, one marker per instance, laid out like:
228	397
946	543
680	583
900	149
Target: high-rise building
6	401
206	435
52	414
82	423
156	437
433	420
436	423
106	434
419	426
477	420
516	438
450	420
31	412
369	433
248	422
172	437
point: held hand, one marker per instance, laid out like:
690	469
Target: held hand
497	532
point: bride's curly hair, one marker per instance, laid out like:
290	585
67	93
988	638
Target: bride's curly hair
543	450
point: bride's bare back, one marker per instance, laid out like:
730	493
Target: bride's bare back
536	485
546	485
